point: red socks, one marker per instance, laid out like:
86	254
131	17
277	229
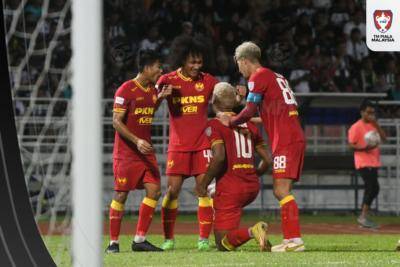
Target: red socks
290	218
169	212
146	212
205	215
116	214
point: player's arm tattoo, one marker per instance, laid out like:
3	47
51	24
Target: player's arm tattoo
265	159
217	164
120	127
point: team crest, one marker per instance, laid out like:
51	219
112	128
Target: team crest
383	20
170	164
250	85
122	180
199	86
154	99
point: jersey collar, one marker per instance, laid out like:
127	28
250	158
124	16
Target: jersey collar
146	90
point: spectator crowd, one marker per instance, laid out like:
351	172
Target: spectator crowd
324	41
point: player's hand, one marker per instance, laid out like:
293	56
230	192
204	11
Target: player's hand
369	147
165	91
200	190
241	90
144	147
224	118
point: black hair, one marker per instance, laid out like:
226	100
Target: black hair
184	46
365	104
146	58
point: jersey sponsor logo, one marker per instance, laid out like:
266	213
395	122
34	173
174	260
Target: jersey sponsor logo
144	111
145	120
199	86
250	85
189	99
293	113
242	166
170	164
189	109
119	100
122	180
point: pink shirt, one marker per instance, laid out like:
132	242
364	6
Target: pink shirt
356	134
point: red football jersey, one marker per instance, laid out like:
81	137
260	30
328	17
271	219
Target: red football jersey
240	173
139	104
278	108
188	108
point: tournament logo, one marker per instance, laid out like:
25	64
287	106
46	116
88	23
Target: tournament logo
199	87
208	131
383	20
250	85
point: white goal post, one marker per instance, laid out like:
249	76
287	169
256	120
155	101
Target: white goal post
87	132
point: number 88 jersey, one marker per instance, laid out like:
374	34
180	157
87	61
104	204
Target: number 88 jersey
240	148
277	107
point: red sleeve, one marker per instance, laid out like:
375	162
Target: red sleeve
121	99
257	84
246	114
161	82
213	134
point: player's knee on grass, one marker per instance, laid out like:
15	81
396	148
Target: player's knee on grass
120	196
218	240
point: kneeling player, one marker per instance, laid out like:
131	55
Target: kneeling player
237	179
135	165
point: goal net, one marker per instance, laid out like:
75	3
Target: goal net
38	35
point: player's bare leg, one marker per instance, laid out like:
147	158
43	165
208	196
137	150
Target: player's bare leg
169	210
146	211
290	217
115	216
205	219
230	240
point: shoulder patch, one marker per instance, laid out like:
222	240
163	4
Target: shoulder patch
208	131
250	85
119	100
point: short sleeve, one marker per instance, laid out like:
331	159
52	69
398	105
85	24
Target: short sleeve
256	89
121	100
213	134
161	82
353	135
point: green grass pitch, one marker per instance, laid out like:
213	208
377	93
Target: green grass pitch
322	250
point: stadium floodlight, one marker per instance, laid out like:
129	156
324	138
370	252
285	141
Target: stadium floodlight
87	62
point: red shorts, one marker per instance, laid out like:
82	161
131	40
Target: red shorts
188	163
288	161
133	174
228	209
